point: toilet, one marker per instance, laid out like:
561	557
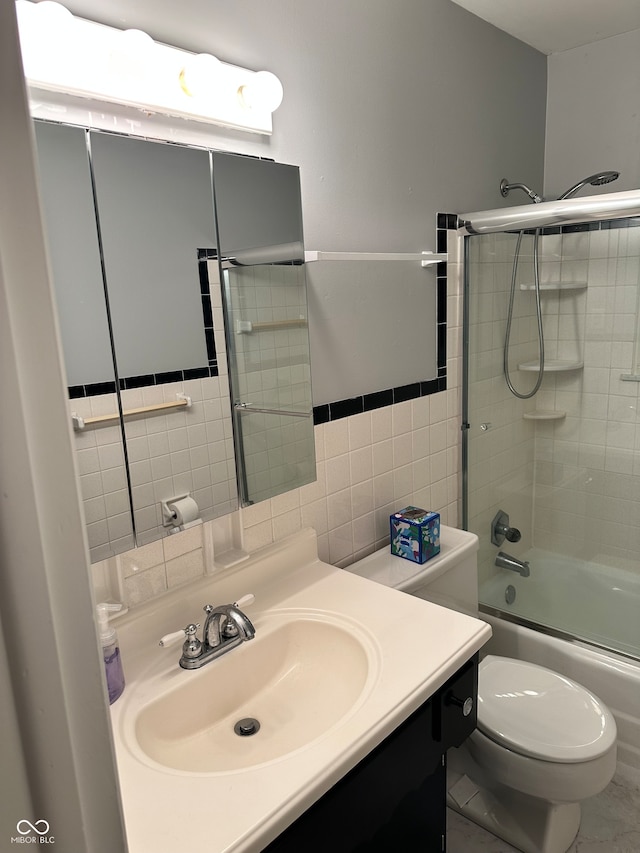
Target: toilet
543	743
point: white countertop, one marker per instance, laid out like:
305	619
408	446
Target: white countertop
415	646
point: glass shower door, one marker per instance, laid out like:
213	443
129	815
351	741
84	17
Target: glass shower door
564	465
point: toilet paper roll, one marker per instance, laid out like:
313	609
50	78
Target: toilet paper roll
186	510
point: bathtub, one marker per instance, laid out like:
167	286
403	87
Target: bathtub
588	600
613	677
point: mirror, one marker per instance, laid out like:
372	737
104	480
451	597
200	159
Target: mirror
74	250
134	252
263	273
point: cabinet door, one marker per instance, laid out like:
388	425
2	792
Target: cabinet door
155	210
393	800
72	237
259	216
74	253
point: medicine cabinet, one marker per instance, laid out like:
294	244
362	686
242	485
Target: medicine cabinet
180	284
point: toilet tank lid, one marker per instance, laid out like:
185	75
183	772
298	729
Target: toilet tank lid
386	568
539	713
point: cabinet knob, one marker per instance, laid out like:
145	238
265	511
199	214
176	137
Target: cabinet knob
465	704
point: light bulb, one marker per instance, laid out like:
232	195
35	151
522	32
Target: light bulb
136	42
53	16
198	77
263	91
132	54
46	39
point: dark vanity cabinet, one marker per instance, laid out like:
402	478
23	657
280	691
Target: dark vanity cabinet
395	798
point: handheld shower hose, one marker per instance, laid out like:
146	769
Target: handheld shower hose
505	187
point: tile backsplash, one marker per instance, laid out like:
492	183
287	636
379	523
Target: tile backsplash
368	466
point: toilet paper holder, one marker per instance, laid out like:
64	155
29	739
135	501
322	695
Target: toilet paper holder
179	511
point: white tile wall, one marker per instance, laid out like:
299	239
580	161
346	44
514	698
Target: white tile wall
587	499
368	465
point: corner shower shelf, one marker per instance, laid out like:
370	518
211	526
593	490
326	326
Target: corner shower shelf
552	365
556	286
544	415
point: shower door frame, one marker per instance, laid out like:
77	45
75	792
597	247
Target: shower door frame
601	208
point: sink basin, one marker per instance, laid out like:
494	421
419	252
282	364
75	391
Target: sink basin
302	675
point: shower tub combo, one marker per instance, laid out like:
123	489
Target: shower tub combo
551	387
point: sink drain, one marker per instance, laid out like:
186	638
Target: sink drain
247	726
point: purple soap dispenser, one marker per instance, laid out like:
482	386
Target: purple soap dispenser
110	651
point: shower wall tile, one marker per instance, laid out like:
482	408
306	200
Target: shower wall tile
586	463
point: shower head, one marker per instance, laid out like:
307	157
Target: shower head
506	187
594	180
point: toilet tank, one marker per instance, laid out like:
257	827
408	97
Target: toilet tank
449	579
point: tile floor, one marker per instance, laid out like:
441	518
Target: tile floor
610	823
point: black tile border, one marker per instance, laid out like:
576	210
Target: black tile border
629	222
182	375
379	399
579	227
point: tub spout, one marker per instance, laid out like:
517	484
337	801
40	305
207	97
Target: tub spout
506	561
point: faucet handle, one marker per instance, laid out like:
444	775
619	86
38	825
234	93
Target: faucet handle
170	639
245	601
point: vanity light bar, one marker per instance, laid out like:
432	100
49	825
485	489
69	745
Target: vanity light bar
425	258
73	58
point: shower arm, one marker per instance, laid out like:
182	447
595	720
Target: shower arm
506	187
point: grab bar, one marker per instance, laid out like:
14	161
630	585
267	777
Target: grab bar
247	408
79	423
248	326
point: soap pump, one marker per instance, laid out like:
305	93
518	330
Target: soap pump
110	651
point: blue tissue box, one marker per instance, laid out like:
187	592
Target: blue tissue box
415	534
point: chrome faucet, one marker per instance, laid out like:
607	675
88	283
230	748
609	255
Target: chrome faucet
506	561
226	623
226	626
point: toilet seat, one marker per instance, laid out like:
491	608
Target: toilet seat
538	713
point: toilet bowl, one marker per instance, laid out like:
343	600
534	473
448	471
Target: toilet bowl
543	743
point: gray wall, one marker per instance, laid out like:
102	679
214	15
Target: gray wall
52	668
593	114
393	111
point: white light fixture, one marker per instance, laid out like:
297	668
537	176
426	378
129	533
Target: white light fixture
79	59
263	88
200	75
